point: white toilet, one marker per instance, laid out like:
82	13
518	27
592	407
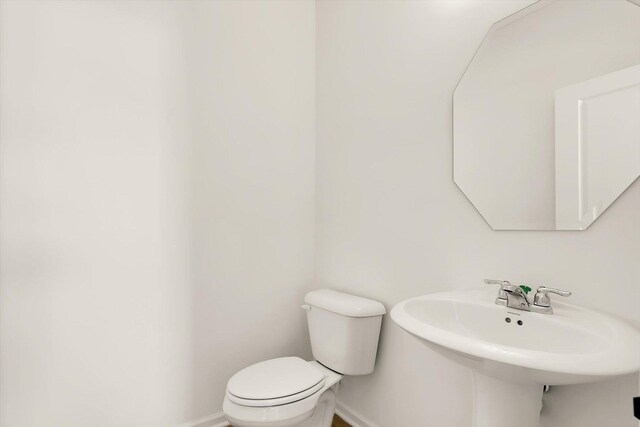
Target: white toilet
288	391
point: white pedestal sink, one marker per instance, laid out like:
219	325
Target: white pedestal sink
512	359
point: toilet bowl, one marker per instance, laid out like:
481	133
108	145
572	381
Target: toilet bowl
288	391
282	392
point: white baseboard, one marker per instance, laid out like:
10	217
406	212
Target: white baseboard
352	416
215	420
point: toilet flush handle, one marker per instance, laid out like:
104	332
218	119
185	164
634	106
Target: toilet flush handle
306	307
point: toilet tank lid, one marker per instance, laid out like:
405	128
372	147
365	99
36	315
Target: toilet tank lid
344	304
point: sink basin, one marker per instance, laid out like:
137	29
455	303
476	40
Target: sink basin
572	345
513	353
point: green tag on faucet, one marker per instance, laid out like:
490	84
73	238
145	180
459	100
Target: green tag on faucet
525	288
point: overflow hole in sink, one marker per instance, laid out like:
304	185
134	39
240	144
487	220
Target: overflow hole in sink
520	322
508	320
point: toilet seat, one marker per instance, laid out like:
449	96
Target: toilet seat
289	414
275	382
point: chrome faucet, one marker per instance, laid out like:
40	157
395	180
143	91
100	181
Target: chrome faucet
509	295
513	296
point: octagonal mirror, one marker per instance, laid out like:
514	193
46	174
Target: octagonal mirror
547	115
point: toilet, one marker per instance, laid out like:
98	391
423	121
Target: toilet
289	391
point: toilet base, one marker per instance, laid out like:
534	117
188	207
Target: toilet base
325	409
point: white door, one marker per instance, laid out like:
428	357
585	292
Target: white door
597	145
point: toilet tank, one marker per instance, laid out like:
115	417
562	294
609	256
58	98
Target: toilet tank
344	330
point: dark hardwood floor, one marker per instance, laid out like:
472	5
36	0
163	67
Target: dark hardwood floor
339	422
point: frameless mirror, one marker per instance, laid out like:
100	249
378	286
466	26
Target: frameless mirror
547	115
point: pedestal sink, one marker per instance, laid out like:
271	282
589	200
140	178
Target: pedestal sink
513	353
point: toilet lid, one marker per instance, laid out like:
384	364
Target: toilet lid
286	377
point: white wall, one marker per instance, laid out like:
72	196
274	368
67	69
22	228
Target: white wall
94	246
253	105
157	210
391	223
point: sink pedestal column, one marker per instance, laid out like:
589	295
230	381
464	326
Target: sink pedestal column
500	403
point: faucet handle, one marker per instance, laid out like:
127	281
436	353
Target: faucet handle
542	299
496	282
504	284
